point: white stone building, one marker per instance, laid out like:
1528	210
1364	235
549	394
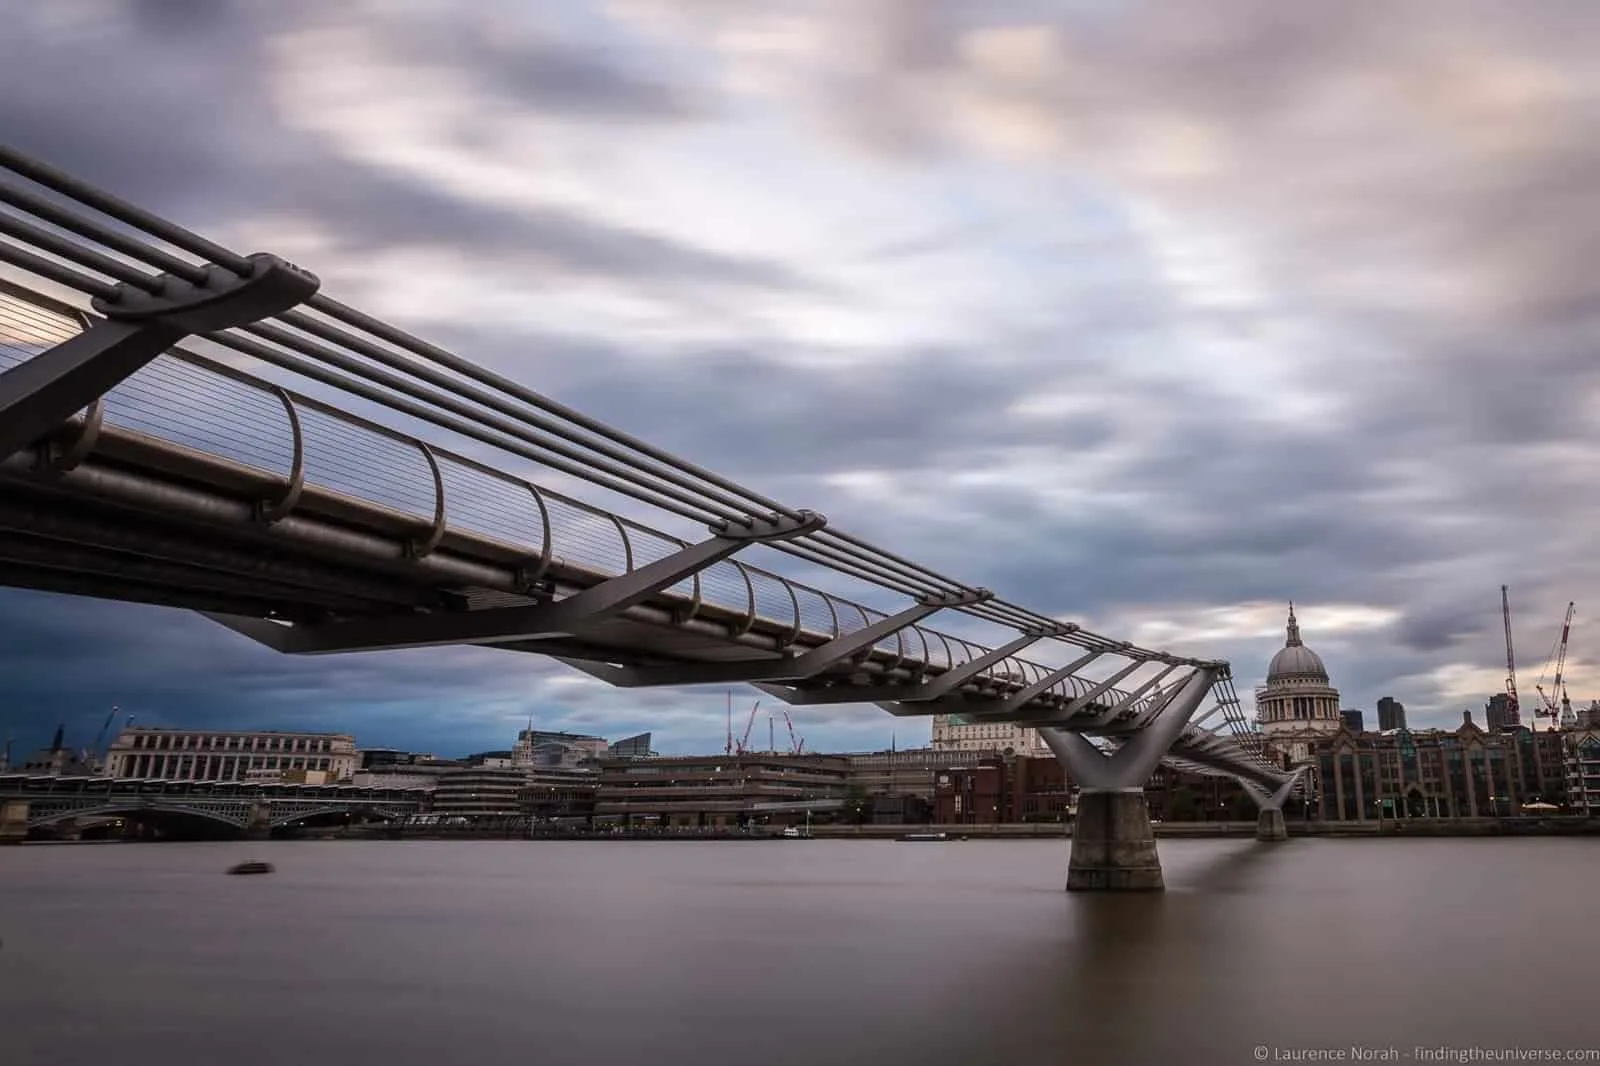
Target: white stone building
950	733
194	755
1298	704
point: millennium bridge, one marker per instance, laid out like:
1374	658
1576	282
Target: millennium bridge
186	426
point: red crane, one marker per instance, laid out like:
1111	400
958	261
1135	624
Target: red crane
795	743
744	741
1513	715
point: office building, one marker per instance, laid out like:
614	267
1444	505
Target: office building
1354	720
558	795
231	755
477	792
902	773
719	791
897	787
550	749
1391	714
492	760
635	747
1500	714
1582	752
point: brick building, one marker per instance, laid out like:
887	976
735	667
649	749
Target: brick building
1467	772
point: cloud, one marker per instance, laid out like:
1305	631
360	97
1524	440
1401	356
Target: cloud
1146	316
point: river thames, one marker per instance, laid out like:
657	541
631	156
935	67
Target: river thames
788	953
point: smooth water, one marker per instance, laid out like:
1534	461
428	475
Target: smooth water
788	952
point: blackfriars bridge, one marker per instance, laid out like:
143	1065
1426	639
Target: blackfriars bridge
186	426
252	808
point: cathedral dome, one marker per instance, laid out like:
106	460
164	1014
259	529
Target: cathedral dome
1296	661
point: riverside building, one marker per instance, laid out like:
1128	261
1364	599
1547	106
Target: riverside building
231	755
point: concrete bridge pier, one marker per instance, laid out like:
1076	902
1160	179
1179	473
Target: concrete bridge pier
1270	826
259	825
13	821
1113	845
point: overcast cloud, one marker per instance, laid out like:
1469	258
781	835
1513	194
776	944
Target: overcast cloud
1149	315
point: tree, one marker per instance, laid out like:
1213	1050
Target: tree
1182	806
855	803
1241	808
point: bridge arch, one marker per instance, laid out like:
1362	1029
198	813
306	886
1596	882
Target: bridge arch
284	817
236	820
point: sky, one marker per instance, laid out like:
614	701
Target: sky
1150	315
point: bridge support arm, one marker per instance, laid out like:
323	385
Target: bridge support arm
1098	689
797	667
1032	692
507	625
39	395
1123	709
939	686
1133	763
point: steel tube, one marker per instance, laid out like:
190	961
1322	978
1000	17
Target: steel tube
170	501
61	182
39	237
580	466
50	270
47	558
307	324
58	215
351	317
21	517
466	429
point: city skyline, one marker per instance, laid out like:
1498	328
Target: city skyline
1136	323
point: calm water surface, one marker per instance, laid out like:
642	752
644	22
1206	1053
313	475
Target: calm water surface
786	952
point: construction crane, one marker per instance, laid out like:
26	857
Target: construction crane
97	753
1512	712
729	749
744	741
1551	710
795	743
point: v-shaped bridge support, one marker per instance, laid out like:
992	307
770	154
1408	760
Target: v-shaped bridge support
1270	824
38	396
1113	845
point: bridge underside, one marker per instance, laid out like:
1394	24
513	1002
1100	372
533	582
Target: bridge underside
135	469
